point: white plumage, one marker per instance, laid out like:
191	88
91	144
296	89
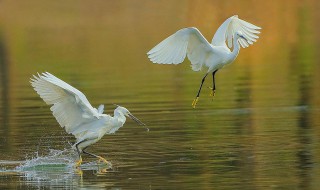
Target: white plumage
228	29
75	114
191	43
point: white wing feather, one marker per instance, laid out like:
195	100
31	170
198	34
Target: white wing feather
173	50
227	30
70	106
101	109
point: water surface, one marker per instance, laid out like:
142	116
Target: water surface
261	130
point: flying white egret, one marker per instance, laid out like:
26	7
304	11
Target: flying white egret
73	111
190	42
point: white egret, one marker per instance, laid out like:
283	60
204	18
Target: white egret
191	43
73	111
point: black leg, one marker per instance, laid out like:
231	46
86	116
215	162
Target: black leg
78	163
93	155
213	89
79	152
96	156
195	101
214	83
202	81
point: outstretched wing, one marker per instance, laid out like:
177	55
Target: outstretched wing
173	50
70	106
233	24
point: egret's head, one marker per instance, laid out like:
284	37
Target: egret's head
124	111
239	34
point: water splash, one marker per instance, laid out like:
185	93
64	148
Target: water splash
54	160
54	169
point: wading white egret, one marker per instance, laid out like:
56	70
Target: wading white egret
73	111
191	43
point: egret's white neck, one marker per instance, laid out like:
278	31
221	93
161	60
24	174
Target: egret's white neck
236	47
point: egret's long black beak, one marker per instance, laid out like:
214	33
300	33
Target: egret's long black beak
136	119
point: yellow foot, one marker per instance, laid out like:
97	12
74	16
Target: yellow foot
102	171
212	93
195	101
102	160
78	163
78	171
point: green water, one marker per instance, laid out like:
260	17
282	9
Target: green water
261	130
